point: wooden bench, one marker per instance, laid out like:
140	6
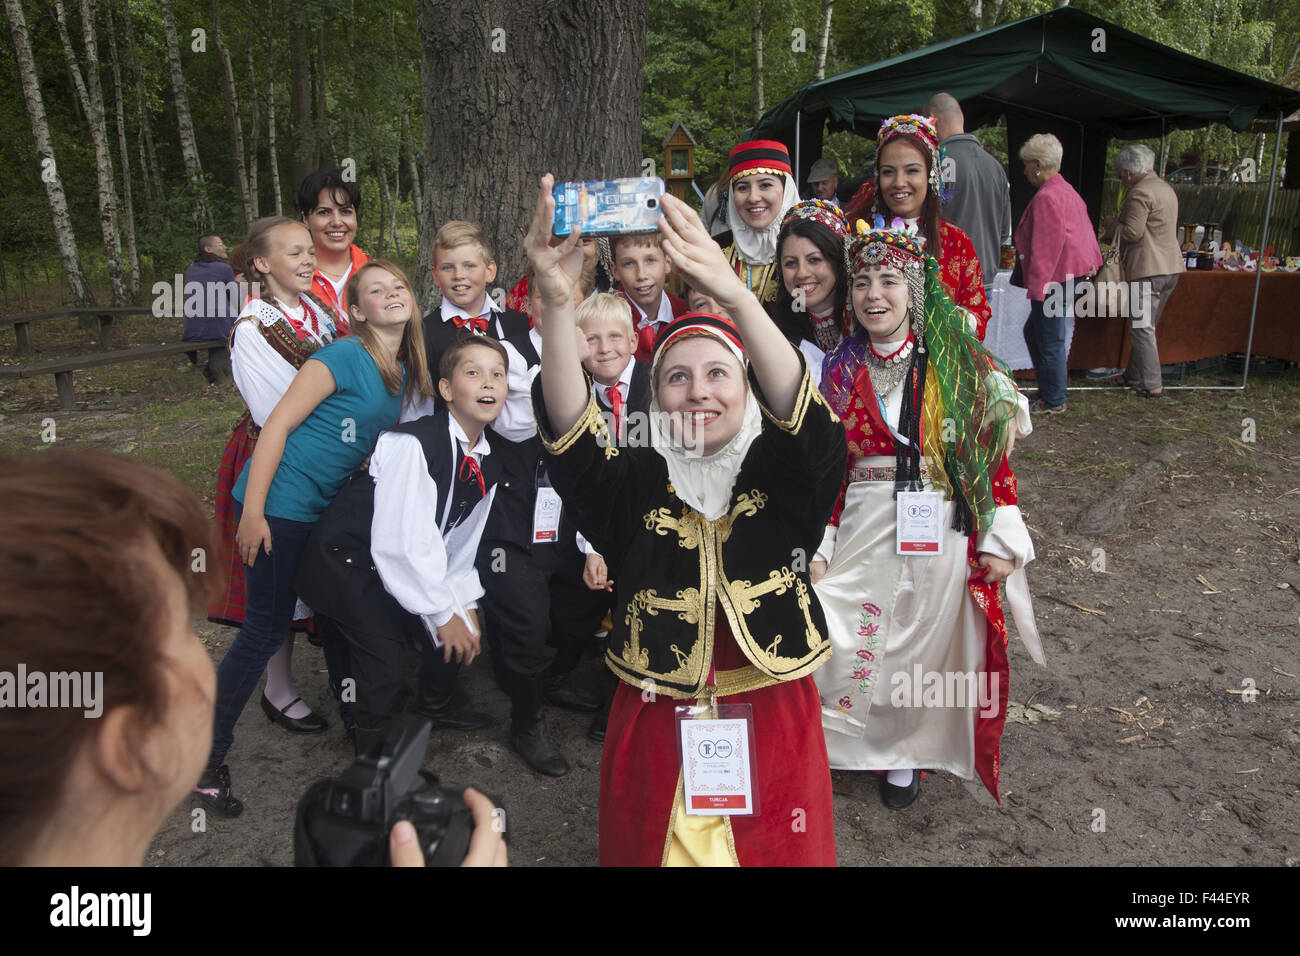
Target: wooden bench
63	368
103	314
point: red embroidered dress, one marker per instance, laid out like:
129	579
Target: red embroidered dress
961	275
848	388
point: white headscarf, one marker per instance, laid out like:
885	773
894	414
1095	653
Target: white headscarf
704	482
758	248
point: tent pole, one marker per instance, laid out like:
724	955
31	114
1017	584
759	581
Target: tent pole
1263	244
1164	149
798	129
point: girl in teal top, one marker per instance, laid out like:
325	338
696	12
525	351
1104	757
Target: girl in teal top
320	432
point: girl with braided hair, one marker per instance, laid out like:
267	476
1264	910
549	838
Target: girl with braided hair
925	408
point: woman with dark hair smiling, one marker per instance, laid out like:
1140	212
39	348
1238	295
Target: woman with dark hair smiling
328	204
809	309
909	164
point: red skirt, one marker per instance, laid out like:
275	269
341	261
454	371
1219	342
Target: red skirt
639	770
229	608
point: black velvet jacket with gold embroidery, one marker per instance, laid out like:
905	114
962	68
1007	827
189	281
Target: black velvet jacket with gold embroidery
673	570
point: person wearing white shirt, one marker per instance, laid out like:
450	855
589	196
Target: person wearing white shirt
395	564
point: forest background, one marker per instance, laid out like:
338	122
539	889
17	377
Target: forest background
165	119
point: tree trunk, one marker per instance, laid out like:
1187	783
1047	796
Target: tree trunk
325	148
507	97
232	114
254	130
300	133
974	14
757	35
149	170
189	148
91	95
272	157
63	234
383	201
132	253
824	40
413	168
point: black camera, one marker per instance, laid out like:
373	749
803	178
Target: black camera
346	821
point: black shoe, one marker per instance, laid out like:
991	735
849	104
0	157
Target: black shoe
213	791
313	723
450	713
558	692
596	730
896	798
533	743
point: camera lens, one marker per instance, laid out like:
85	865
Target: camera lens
651	203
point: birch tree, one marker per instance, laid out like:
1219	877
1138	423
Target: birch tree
185	122
91	96
31	86
232	115
132	253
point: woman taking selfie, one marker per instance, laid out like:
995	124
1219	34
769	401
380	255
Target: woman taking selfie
712	612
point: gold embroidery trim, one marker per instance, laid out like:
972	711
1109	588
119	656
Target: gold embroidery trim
698	606
672	814
805	396
591	421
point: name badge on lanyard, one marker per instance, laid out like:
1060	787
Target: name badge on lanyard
920	522
546	516
718	763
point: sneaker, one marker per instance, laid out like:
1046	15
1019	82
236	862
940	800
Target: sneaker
1039	407
1101	374
213	791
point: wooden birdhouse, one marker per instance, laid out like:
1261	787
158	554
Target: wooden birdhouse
679	160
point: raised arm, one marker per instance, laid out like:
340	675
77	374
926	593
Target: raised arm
556	270
694	254
312	385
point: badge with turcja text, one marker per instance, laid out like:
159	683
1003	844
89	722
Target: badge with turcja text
920	522
718	760
546	516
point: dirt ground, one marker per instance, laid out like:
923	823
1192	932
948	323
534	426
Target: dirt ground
1164	729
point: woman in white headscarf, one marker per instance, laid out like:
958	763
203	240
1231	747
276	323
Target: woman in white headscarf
762	190
706	534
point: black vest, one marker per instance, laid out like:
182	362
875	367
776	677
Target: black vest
337	577
439	335
523	469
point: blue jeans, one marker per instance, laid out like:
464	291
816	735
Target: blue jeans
268	614
1045	337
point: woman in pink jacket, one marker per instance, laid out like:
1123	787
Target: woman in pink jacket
1056	242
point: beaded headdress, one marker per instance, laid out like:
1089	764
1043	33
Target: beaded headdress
819	210
825	214
898	247
921	129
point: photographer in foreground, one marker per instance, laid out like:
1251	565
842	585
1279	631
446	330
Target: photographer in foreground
97	596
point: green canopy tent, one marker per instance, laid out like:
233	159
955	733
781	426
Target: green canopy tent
1064	72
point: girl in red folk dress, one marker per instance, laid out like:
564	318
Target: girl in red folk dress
275	334
909	167
702	533
918	677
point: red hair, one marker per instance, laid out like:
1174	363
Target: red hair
78	593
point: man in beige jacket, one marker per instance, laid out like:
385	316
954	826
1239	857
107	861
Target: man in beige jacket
1147	231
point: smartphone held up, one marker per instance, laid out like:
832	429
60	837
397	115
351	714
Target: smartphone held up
609	207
